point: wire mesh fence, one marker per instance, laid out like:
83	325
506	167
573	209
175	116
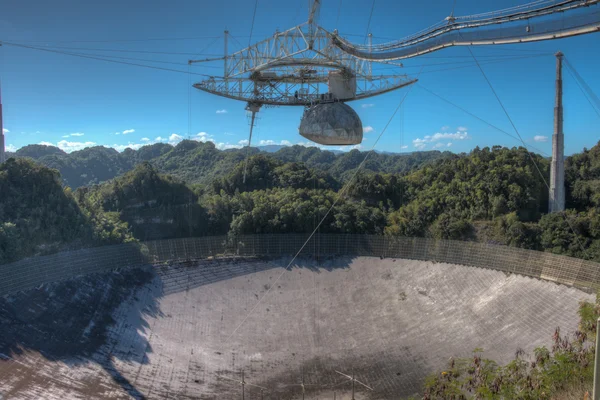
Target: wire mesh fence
32	272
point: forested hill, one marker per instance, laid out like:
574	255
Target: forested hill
491	195
201	163
39	215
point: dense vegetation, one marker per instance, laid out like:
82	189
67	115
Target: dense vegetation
201	163
152	205
564	371
491	194
38	214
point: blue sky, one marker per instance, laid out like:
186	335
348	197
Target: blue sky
74	102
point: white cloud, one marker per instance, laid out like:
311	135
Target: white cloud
451	136
346	148
273	142
38	132
540	138
145	139
367	129
67	146
203	137
77	134
445	127
11	148
160	139
73	146
121	147
4	130
449	144
175	138
65	136
126	131
404	147
117	133
225	146
422	143
369	105
462	129
223	111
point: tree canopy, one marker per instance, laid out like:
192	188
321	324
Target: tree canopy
491	194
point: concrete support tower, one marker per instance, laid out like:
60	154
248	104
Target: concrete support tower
2	155
556	199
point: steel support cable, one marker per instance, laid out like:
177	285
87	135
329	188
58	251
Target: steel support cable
207	47
529	153
142	59
580	78
120	50
252	25
102	56
469	63
253	111
107	60
340	194
189	99
152	60
297	14
486	55
478	118
584	92
585	88
237	41
119	40
369	22
485	62
500	48
512	9
506	113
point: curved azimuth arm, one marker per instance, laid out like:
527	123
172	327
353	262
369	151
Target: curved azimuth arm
307	64
540	20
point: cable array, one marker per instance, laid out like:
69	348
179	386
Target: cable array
529	153
587	91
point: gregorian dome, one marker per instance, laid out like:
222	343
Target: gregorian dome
331	124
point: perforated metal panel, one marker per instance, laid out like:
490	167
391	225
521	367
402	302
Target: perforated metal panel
332	124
